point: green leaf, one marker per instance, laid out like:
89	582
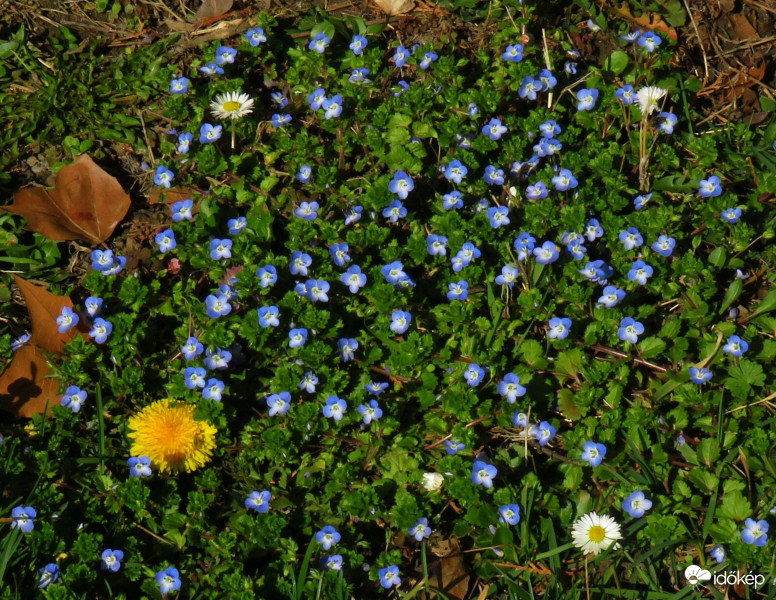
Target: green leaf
567	406
717	257
735	506
703	480
616	62
651	346
708	451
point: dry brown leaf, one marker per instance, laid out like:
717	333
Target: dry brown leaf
25	388
648	21
212	9
395	7
85	204
449	575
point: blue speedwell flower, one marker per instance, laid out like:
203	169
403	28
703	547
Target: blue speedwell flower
268	316
649	41
631	238
304	173
217	359
401	185
370	412
400	56
626	94
453	447
194	377
458	290
400	321
718	554
267	275
23	517
731	215
587	99
509	514
544	433
666	122
436	245
529	88
181	210
213	390
452	200
483	474
395	211
209	133
494	129
184	142
316	99
279	120
225	55
220	248
347	347
420	530
508	276
307	211
564	180
559	328
278	403
316	290
73	399
319	43
473	374
548	252
327	537
211	69
640	272
297	337
179	86
354	279
755	532
710	188
389	576
456	171
235	226
101	329
165	240
20	342
334	409
493	175
163	176
513	53
358	44
217	306
47	575
428	58
536	191
735	346
258	501
393	272
593	453
701	375
664	245
299	262
611	296
332	106
636	504
111	559
255	36
308	382
139	466
510	388
630	330
102	259
67	319
498	216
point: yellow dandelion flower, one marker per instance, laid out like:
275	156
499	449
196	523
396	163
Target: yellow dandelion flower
169	435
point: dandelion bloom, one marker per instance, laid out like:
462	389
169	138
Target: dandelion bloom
593	533
169	435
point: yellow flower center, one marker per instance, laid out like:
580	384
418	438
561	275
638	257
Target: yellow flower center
231	106
597	534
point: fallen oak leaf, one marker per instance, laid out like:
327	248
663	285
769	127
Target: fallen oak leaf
26	387
211	9
85	204
395	7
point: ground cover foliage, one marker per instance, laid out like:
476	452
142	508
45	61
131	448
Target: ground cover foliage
419	309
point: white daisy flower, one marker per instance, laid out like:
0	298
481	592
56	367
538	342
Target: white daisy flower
648	98
593	533
232	105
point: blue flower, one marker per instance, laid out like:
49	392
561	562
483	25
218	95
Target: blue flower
473	374
559	328
111	559
327	537
400	56
640	201
279	120
452	200
400	321
347	347
267	275
209	133
319	43
194	377
755	532
179	86
636	504
548	252
731	215
48	574
370	412
428	58
316	290
544	433
400	87
332	563
529	88
666	122
353	214
587	99
375	388
181	210
718	554
626	94
420	529
701	375
631	36
389	576
640	272
513	53
307	211
453	447
593	453
184	142
297	337
631	238
165	240
630	330
353	278
508	276
358	44
401	185
393	272
317	98
279	99
334	409
67	319
101	329
493	175
268	316
564	180
255	36
332	106
735	346
23	517
217	359
536	191
279	403
455	171
19	342
211	69
498	216
549	129
570	68
236	225
299	263
611	296
139	466
163	176
510	388
395	211
494	129
258	501
308	382
217	306
519	419
220	248
102	259
547	79
710	188
304	173
524	245
483	474
436	245
649	41
225	55
576	249
192	348
664	245
509	514
458	290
